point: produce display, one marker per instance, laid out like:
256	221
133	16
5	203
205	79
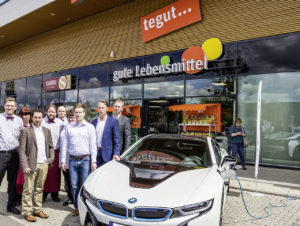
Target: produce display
198	119
197	133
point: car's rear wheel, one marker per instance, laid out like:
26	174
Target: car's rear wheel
296	154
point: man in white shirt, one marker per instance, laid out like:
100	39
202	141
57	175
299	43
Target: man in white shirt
10	128
52	184
66	173
81	146
36	154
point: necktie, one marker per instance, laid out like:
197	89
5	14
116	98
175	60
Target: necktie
10	117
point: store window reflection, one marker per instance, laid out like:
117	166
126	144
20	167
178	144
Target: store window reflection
227	109
126	92
71	97
280	121
90	99
50	98
214	86
33	92
164	89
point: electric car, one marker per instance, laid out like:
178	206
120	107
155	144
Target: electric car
161	180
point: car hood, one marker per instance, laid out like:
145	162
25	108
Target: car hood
179	186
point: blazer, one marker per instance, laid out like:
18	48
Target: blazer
28	148
125	133
110	144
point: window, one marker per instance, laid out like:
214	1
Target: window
164	89
280	121
126	92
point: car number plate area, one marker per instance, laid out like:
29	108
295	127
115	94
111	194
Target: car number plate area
115	224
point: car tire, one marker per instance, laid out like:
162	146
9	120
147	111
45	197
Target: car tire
296	155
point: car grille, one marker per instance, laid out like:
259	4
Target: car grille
112	209
138	214
151	214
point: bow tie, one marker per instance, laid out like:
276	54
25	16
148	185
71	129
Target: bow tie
10	117
25	126
51	121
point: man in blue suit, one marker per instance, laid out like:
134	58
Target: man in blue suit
108	136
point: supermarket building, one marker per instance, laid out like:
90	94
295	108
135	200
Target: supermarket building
100	47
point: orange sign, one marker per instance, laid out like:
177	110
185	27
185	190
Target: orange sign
195	60
170	18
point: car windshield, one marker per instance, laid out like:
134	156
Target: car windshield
170	151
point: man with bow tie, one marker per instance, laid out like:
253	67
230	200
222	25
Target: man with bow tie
10	129
52	184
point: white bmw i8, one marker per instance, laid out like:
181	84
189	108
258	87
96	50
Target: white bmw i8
160	180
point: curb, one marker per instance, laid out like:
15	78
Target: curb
266	187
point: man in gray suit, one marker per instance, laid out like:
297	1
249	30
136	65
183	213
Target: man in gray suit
36	154
124	125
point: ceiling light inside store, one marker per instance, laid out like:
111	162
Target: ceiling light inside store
154	106
219	84
159	101
52	14
2	36
153	88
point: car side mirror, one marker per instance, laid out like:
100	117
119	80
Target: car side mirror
229	160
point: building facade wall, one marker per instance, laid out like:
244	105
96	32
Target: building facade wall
91	40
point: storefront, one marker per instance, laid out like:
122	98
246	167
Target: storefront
231	81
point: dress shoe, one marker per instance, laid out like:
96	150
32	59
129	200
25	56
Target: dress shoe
75	213
55	199
13	209
69	201
30	218
245	168
41	214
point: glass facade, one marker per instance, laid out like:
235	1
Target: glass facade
280	124
231	80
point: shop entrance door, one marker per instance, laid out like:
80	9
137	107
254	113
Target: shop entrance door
156	117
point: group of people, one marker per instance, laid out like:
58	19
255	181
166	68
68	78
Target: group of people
34	149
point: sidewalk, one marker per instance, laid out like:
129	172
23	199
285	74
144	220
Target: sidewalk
270	181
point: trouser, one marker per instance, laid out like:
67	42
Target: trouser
238	149
9	161
34	181
79	171
68	186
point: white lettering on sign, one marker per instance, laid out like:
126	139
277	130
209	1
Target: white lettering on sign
124	74
186	65
51	83
161	19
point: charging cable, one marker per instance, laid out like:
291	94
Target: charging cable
270	204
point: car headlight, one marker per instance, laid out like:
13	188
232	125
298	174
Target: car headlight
201	208
89	196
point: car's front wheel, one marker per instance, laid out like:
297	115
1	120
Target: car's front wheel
296	154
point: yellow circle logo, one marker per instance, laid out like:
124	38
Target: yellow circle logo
62	83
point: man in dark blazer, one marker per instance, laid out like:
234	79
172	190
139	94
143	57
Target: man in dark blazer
36	154
124	125
108	136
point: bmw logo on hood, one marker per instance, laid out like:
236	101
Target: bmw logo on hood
132	200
